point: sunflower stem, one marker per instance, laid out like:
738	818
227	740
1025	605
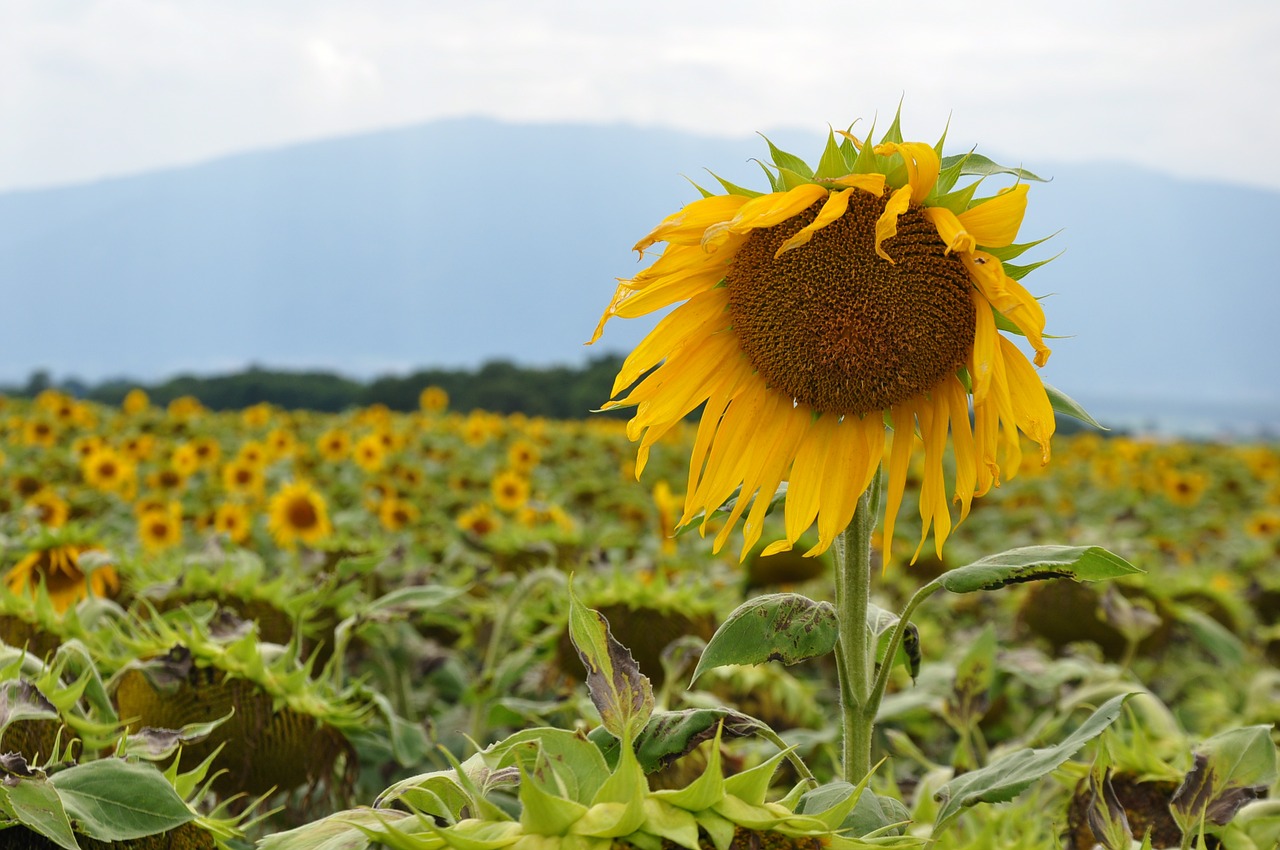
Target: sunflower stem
855	659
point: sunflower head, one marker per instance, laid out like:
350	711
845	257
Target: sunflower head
57	561
298	513
867	291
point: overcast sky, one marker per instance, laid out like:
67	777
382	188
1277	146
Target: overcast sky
94	88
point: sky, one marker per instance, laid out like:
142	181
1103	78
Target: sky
91	89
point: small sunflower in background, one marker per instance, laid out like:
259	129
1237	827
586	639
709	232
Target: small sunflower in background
867	291
334	445
1184	488
109	471
55	562
523	456
160	527
233	519
479	520
136	401
48	509
433	400
243	478
369	453
298	513
395	513
510	491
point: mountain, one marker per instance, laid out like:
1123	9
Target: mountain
456	242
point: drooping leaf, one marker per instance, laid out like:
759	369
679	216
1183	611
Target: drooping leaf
1037	563
1066	405
784	627
977	164
975	674
156	744
21	700
1230	770
672	734
620	692
882	623
36	805
114	800
1008	776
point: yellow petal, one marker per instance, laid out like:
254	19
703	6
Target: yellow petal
904	423
1031	407
953	234
701	316
852	458
962	444
775	208
887	224
994	223
984	346
687	225
873	183
923	166
835	207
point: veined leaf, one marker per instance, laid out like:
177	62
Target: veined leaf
1036	563
784	627
114	800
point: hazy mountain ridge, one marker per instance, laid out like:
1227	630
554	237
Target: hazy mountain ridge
456	242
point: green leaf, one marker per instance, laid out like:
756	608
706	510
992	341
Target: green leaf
21	700
1036	563
1019	272
1010	775
579	765
1012	252
976	163
788	162
622	695
1067	406
734	188
672	734
156	744
1231	769
37	806
784	627
975	674
1213	636
113	800
881	623
832	164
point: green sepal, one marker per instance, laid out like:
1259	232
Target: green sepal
482	807
894	133
718	828
957	201
706	193
471	835
671	822
977	164
832	164
1019	272
703	792
788	161
542	812
752	785
1010	252
866	161
580	766
791	179
744	814
775	182
1066	405
618	807
734	188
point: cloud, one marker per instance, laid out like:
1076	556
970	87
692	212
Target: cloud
117	86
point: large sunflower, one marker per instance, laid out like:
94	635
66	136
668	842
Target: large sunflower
869	291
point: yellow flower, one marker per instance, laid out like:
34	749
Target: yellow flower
184	460
58	566
298	513
39	432
233	520
334	445
510	491
135	401
870	291
479	520
242	477
395	513
1184	488
369	453
160	528
49	509
523	456
108	471
433	400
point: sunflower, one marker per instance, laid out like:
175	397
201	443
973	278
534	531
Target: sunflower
108	471
510	491
298	512
334	445
523	456
433	400
869	291
395	513
160	528
135	401
58	566
479	520
233	520
243	478
49	509
370	453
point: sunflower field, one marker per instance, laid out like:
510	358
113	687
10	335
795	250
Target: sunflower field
438	628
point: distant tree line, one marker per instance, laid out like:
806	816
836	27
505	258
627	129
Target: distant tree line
559	392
